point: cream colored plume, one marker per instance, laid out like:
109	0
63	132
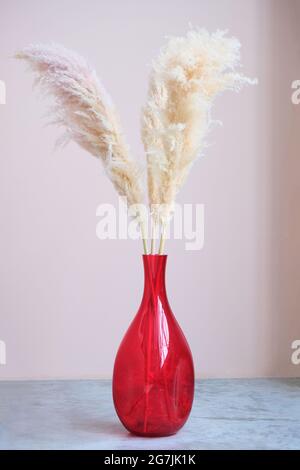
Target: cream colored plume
185	79
86	112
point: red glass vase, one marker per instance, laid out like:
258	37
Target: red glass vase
153	379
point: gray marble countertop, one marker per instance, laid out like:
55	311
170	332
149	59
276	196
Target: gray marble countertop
79	414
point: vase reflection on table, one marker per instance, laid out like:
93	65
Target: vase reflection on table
153	379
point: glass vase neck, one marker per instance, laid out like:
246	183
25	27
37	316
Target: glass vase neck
154	274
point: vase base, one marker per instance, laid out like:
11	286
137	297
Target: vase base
152	435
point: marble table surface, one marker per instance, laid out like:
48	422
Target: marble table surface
79	414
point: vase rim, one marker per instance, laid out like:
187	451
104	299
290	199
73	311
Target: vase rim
156	255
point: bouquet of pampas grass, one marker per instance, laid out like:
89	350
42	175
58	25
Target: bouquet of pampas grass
187	76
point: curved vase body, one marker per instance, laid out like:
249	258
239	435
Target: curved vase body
153	379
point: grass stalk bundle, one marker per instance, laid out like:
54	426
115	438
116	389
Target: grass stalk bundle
187	76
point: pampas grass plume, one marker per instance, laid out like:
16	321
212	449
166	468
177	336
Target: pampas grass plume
189	73
86	112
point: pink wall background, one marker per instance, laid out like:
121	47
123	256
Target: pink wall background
67	297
